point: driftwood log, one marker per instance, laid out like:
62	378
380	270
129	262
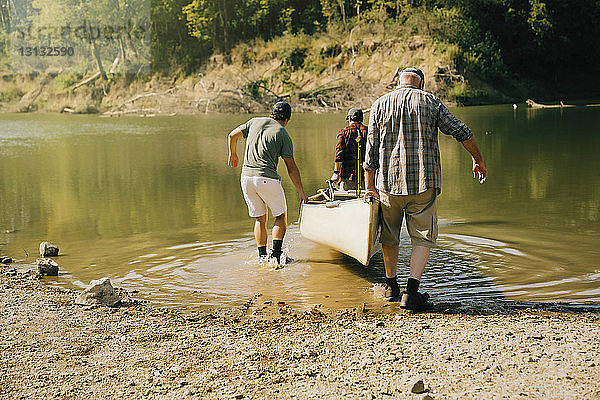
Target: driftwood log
533	104
87	80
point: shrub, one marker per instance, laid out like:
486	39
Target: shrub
64	81
294	58
10	94
461	93
254	88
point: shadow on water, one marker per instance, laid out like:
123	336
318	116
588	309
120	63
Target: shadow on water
455	284
448	276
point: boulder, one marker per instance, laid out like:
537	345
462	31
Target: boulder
48	250
47	266
99	292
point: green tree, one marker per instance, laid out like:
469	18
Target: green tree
221	24
540	22
172	45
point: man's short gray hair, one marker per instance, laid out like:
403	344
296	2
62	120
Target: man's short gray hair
404	75
408	75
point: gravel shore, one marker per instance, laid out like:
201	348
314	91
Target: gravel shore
52	348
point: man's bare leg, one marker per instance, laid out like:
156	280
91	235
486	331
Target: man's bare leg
412	299
260	230
390	261
260	234
280	226
418	261
279	229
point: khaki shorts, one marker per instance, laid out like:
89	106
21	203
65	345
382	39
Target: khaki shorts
421	218
260	193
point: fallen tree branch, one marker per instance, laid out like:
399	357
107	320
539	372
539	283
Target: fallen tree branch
533	104
27	100
319	91
133	111
113	67
86	81
450	74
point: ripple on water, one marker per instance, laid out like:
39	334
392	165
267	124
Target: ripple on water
229	273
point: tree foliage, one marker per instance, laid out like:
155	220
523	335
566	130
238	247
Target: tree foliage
222	24
542	39
547	40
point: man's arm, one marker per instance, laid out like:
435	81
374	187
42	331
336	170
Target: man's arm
294	174
450	125
337	166
340	150
232	140
371	163
479	170
370	183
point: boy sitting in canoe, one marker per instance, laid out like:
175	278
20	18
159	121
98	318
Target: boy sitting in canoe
346	170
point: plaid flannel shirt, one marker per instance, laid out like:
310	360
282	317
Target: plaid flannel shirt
346	151
402	143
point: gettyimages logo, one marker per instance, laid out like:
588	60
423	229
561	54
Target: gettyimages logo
78	35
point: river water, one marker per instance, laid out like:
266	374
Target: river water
151	203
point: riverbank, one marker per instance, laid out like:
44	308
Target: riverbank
52	348
330	71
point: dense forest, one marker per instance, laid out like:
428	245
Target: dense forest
543	45
547	40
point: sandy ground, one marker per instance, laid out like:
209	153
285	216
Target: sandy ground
52	348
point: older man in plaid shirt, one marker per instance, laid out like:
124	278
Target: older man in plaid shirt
403	162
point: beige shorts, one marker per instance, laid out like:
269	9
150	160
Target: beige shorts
260	193
421	218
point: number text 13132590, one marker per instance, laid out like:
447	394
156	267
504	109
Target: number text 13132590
46	51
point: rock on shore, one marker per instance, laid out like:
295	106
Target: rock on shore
48	267
51	348
48	250
99	292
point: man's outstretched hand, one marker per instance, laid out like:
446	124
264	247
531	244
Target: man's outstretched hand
479	171
233	160
303	197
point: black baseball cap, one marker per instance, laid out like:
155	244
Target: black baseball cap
414	71
355	114
281	111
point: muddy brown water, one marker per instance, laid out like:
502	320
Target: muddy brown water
151	203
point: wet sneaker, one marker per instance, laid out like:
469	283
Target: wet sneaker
286	260
282	260
392	294
415	301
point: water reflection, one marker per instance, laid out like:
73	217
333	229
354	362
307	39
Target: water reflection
151	203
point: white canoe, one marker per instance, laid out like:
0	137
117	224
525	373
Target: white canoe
348	226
